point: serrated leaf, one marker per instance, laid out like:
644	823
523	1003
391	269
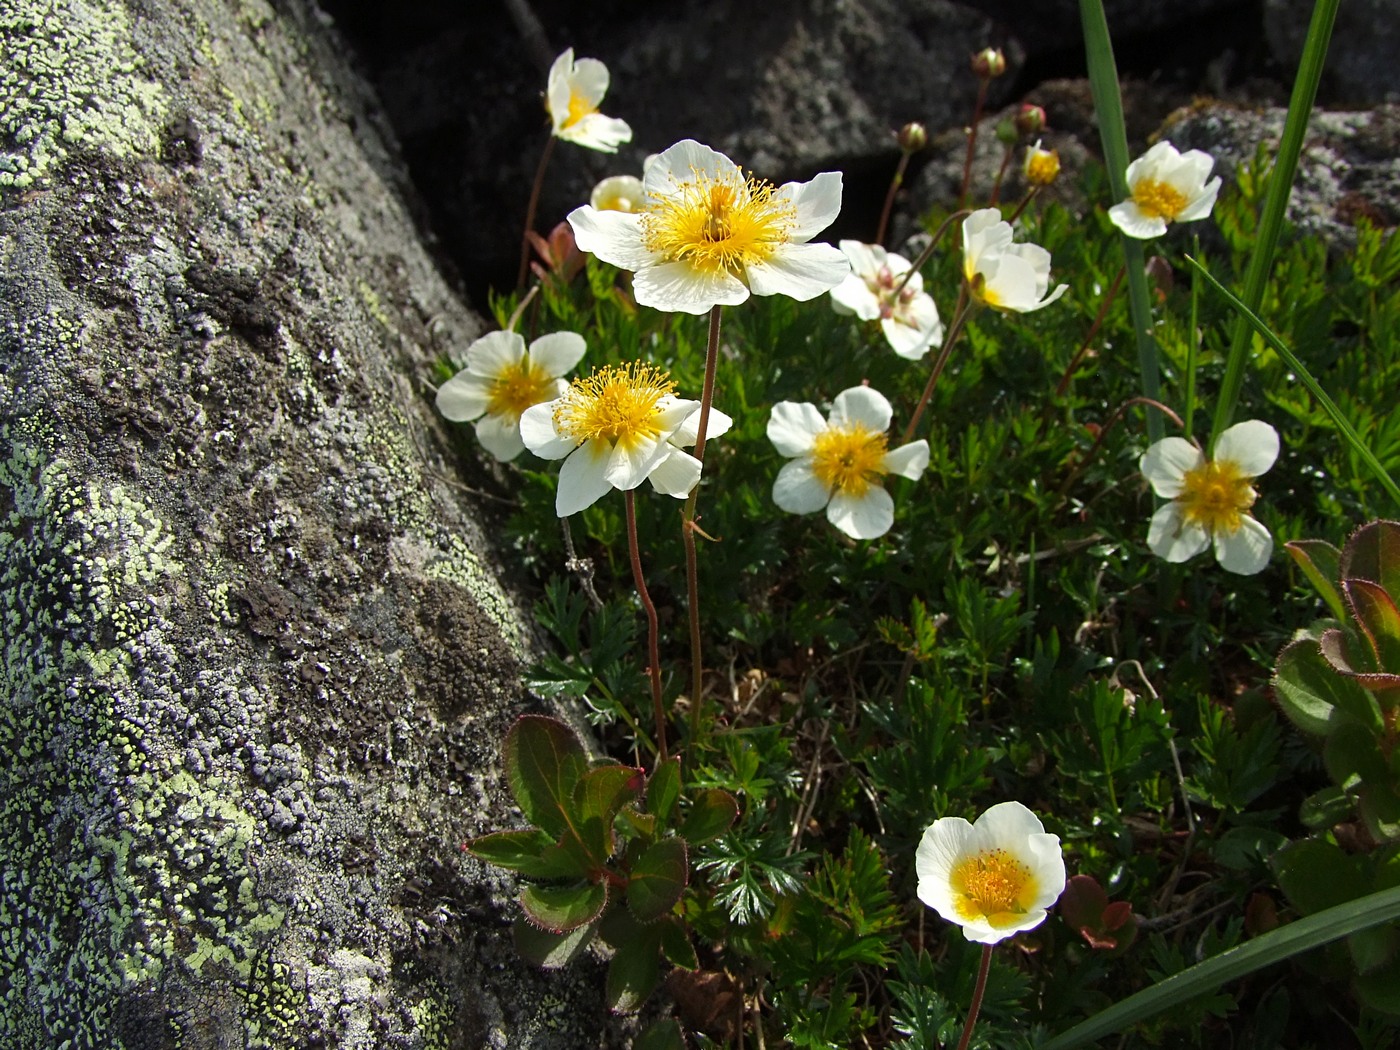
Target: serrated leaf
1376	613
710	817
563	908
658	879
544	761
531	852
676	946
633	974
664	789
1373	553
1320	562
1309	688
552	950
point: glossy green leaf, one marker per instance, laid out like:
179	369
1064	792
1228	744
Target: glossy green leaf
1311	691
531	852
633	974
552	950
563	908
1321	564
658	879
664	789
544	761
710	817
1373	553
601	792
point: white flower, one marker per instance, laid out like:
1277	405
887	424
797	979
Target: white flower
839	462
910	320
708	236
613	430
1210	498
618	193
502	379
993	878
1001	274
574	92
1165	186
678	471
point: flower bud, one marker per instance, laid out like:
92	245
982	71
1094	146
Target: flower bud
1030	120
1042	166
1007	133
989	63
913	137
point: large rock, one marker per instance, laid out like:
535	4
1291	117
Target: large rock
257	654
1361	69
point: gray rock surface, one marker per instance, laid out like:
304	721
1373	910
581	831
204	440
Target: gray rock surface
1361	69
257	654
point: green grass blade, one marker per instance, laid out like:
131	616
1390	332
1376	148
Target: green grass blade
1108	106
1251	320
1280	944
1275	202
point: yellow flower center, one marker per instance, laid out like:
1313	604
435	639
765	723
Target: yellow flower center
849	458
614	404
1042	167
1216	496
993	886
717	224
517	387
1159	200
579	107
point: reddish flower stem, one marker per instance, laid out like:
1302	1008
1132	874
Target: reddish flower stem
983	83
653	630
1093	331
895	183
977	993
954	330
530	213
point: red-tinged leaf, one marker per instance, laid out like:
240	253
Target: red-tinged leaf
676	946
544	761
1373	553
1312	692
552	950
664	789
1320	562
560	909
658	879
1376	613
531	852
710	817
633	974
604	789
1083	902
1341	655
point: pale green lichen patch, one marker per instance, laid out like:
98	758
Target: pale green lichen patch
463	567
70	78
119	863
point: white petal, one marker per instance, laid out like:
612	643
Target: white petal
853	296
679	287
538	433
1201	204
1166	463
818	202
557	352
495	352
799	271
685	435
907	461
618	193
942	847
862	404
865	259
862	518
598	132
799	491
914	328
581	479
1170	537
672	412
1135	222
463	397
589	80
500	436
682	162
1246	550
613	236
792	426
676	474
1252	446
557	92
984	231
632	461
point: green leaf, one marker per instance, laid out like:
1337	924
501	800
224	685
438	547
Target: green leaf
1376	613
1206	977
599	795
563	908
1380	990
710	817
664	1035
664	789
1354	751
544	761
1325	808
1341	648
1371	949
658	879
1373	553
1316	875
531	852
676	946
1309	689
1320	562
1380	809
552	950
633	974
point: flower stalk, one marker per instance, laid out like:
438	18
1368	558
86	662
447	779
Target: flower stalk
983	969
653	629
530	209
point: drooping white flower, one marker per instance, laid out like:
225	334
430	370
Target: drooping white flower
1210	498
993	878
502	379
1001	274
618	193
839	461
908	320
708	236
1165	186
575	90
612	429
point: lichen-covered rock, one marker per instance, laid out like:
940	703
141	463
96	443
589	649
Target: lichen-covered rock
256	657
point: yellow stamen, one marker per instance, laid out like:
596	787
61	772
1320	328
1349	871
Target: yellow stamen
717	224
579	107
1042	167
1159	200
517	387
849	459
614	404
1216	496
993	886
